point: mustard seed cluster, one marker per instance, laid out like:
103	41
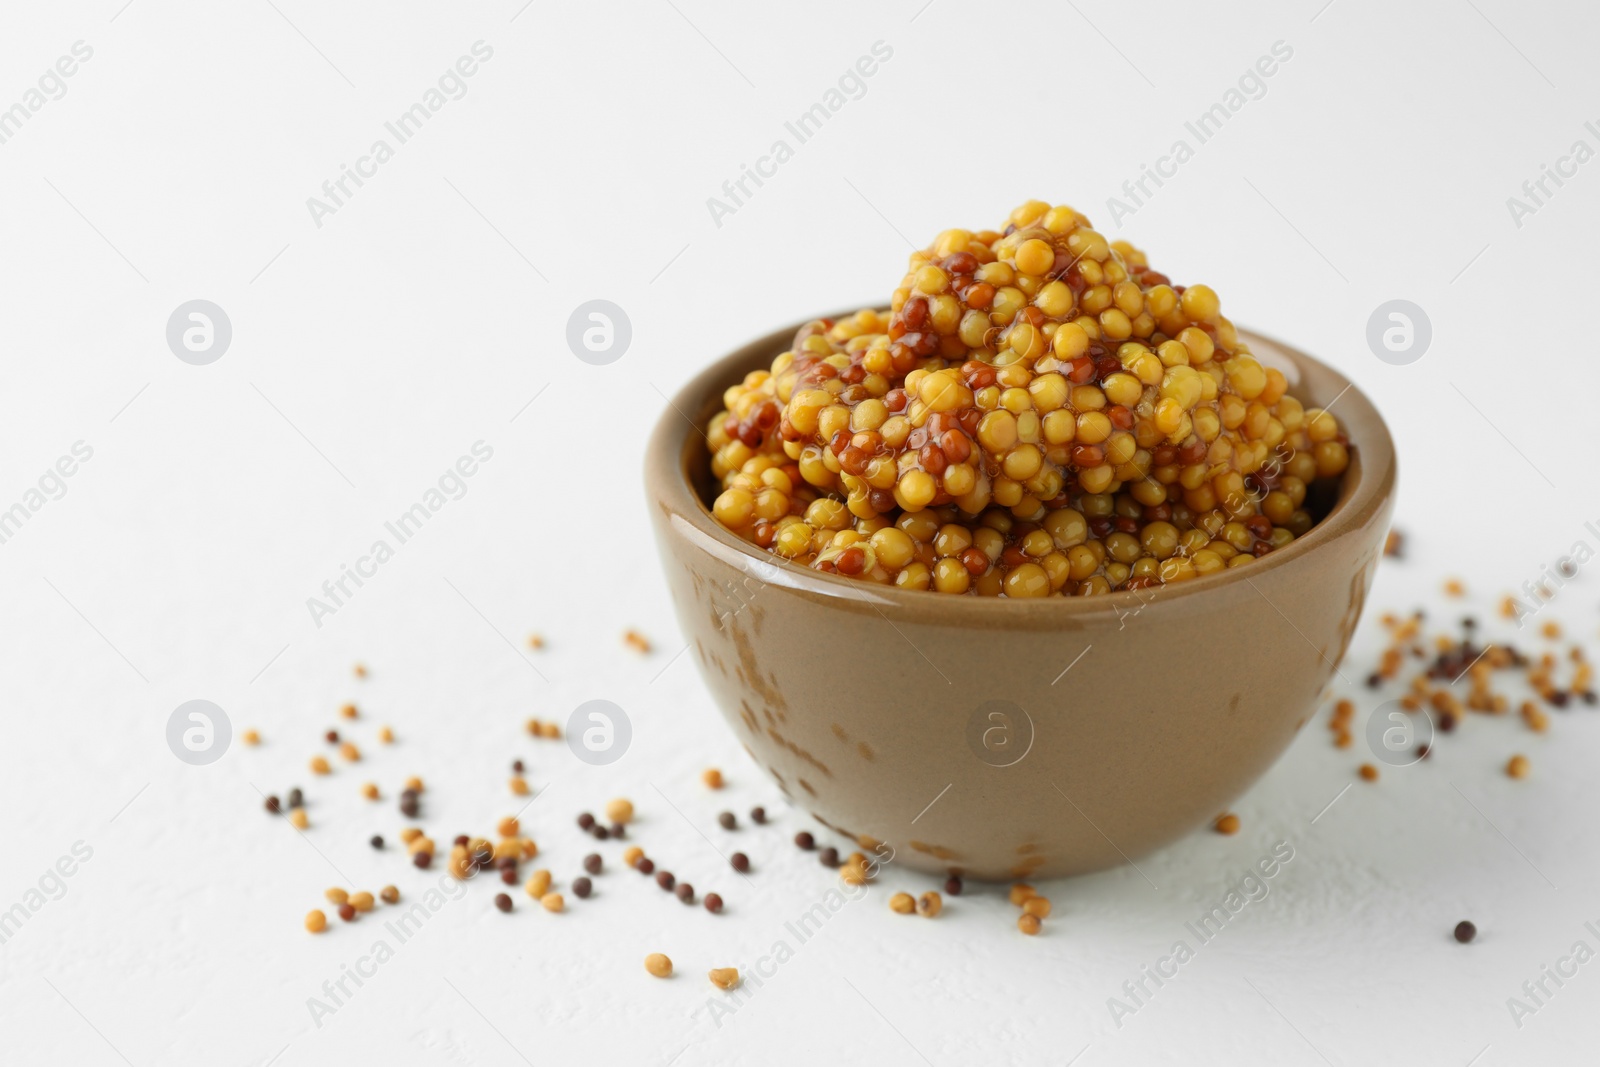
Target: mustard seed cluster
1039	413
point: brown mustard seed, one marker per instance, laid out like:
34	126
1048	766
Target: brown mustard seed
1517	766
713	903
727	820
316	922
739	862
347	912
619	810
804	840
376	841
952	885
599	833
1021	892
592	863
664	879
929	905
724	978
1227	824
319	765
502	901
538	884
585	821
389	895
1465	931
758	815
712	778
685	892
658	964
332	737
251	737
349	711
645	865
1028	924
902	904
298	819
295	797
361	901
370	791
828	857
272	805
1369	773
423	860
1038	907
552	902
582	887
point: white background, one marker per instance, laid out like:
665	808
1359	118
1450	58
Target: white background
369	353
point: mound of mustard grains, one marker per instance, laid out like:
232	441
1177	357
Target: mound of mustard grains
1038	413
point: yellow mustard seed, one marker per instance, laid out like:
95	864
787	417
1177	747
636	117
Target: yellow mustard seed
658	964
316	921
724	978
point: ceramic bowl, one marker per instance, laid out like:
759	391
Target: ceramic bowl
1003	739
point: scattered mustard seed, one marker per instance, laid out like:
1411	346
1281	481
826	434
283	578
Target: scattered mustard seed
552	902
336	896
316	922
619	810
538	884
1021	892
251	737
410	834
386	735
414	783
712	778
1038	907
298	819
349	711
930	904
658	964
361	901
1028	924
349	751
632	855
902	904
389	895
1517	767
319	765
508	827
1227	823
1369	773
370	791
1455	587
519	786
724	978
636	641
360	670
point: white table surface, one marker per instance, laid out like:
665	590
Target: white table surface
372	351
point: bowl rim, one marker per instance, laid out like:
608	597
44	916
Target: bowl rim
1366	488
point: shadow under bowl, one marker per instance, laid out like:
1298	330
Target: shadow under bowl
1002	739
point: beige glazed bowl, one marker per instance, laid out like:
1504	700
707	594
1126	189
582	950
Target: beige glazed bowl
999	738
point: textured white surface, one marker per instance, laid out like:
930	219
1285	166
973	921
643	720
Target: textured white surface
415	322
